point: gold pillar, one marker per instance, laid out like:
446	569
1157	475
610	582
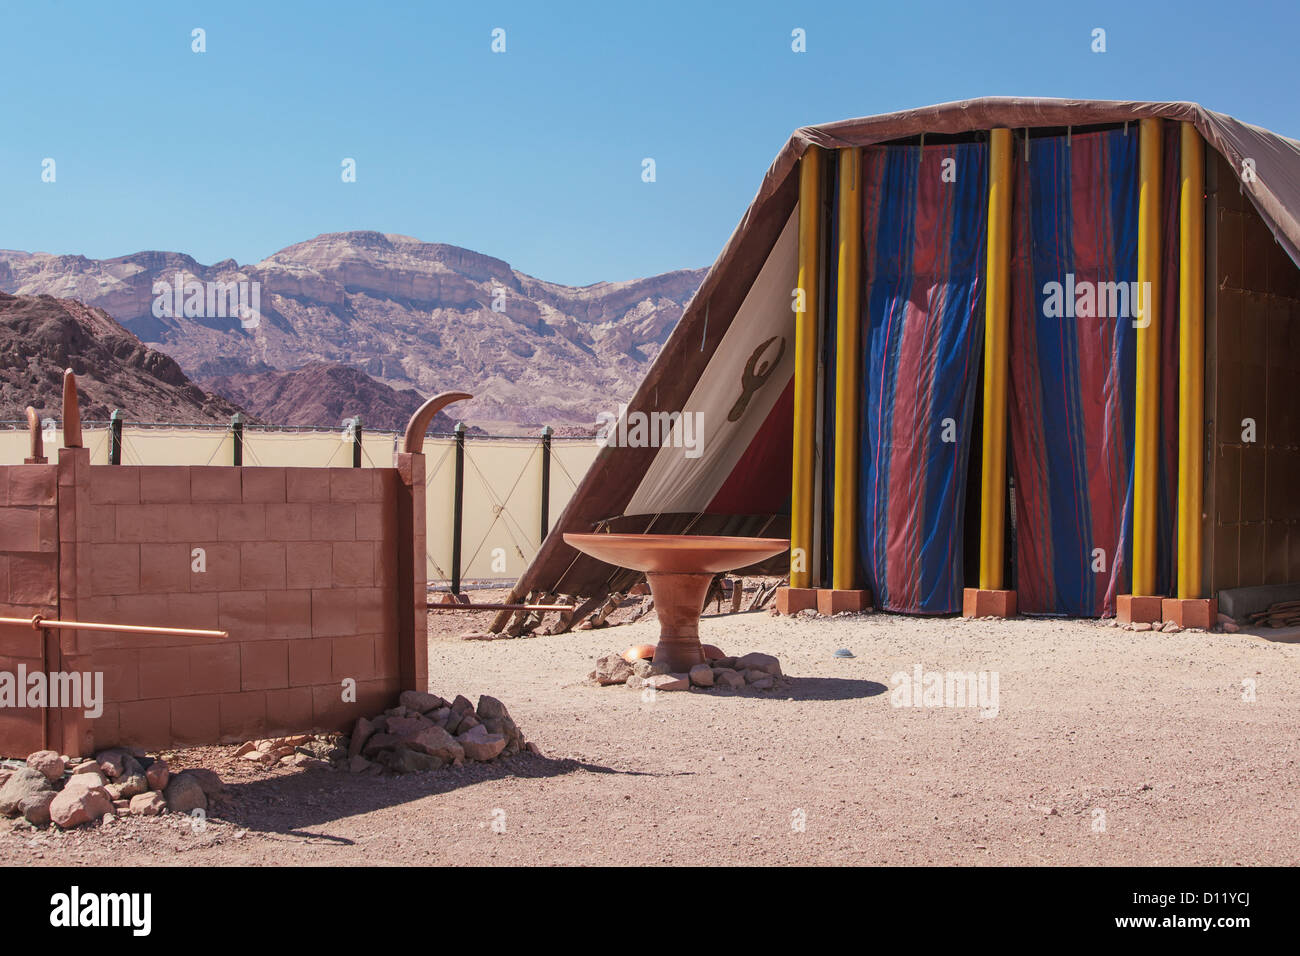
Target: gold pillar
848	365
1191	359
1146	426
805	368
997	318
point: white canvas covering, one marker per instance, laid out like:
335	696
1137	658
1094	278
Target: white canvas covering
677	483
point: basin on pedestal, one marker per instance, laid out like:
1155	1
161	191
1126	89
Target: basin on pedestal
678	568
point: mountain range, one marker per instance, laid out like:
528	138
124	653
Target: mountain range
412	316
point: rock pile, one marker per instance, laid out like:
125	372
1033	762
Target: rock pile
68	792
757	671
1167	627
423	732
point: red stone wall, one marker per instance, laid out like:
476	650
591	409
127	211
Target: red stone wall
29	584
301	567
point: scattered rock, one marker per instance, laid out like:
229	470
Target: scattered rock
305	762
1169	627
761	662
402	759
702	675
480	745
763	683
420	702
724	677
641	668
157	774
149	804
132	785
47	762
35	807
23	783
611	669
436	742
184	793
85	781
668	682
378	742
72	808
360	734
88	766
207	780
111	762
358	764
1142	626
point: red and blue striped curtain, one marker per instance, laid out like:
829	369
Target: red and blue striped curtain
925	234
1071	390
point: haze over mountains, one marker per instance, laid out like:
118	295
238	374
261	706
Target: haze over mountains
411	314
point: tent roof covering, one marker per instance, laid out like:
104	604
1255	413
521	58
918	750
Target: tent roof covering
615	474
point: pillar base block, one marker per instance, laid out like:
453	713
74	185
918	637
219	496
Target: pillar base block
1139	609
980	602
1191	612
794	600
832	601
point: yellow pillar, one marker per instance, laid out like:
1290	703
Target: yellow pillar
805	368
1146	426
848	364
997	319
1191	359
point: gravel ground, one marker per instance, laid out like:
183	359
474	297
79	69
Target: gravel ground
1109	747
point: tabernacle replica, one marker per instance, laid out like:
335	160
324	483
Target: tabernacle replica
995	356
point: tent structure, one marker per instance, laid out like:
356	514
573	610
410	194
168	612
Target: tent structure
993	355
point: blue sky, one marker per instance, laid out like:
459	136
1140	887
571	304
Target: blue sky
533	155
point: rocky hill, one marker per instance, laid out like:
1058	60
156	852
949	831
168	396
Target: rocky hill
40	336
322	393
412	314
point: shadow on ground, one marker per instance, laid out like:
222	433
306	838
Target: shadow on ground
291	803
830	688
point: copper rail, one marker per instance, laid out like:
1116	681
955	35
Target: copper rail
37	622
500	607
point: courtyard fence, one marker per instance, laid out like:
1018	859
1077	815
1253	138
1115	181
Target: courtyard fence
490	499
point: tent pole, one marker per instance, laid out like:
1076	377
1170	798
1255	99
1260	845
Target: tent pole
847	371
1147	398
1191	360
805	368
997	318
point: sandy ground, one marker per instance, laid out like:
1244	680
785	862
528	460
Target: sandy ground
1109	747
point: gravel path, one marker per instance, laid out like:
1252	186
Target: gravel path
1148	729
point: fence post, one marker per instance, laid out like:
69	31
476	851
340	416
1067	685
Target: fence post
458	508
547	432
115	437
237	429
356	442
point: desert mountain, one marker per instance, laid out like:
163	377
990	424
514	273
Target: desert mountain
40	336
412	314
322	393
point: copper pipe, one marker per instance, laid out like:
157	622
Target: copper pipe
37	622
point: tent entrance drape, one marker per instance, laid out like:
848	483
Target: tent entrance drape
1072	354
924	229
